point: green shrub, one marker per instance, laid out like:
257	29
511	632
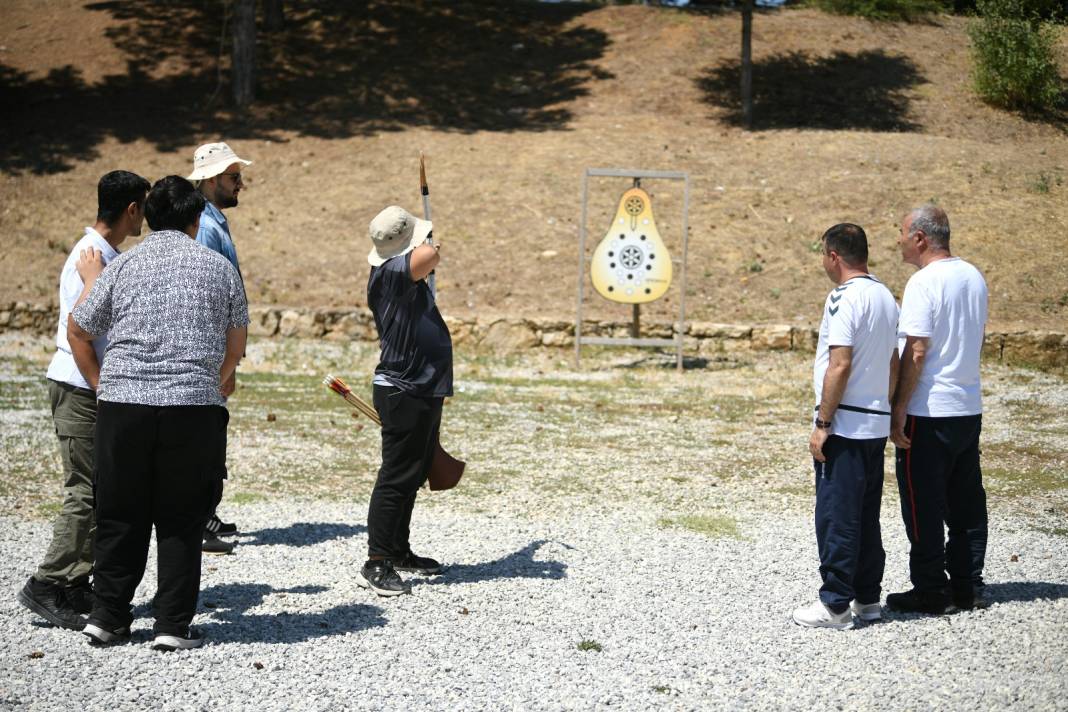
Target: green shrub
883	9
1013	50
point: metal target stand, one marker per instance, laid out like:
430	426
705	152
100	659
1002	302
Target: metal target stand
583	266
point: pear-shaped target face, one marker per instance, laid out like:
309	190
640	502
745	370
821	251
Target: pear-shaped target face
631	264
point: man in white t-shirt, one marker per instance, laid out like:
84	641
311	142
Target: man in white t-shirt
937	417
856	364
59	591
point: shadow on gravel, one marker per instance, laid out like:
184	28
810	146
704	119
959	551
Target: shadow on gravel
1025	591
520	564
230	622
303	534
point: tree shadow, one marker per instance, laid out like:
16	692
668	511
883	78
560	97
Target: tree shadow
339	69
519	564
230	621
302	534
867	90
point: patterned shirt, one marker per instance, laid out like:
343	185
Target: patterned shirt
166	306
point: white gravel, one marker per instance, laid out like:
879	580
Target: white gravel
684	621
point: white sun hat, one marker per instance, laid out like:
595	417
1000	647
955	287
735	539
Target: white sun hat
211	159
395	231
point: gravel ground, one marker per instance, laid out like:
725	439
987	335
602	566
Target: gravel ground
587	566
683	621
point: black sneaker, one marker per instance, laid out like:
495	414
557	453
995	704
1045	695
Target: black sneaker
218	527
216	546
100	634
933	602
47	601
80	597
418	565
967	599
380	576
172	641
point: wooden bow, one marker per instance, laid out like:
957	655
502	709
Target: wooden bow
424	189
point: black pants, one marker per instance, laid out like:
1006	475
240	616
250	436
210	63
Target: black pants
941	483
409	433
849	489
155	466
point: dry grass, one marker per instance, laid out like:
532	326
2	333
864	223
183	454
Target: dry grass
857	121
692	450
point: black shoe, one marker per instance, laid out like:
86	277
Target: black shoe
933	602
80	597
380	576
418	565
100	634
968	598
47	600
216	546
171	641
218	527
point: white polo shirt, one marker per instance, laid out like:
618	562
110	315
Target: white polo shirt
862	314
946	302
63	369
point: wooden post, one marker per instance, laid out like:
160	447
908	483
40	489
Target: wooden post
243	67
636	322
747	63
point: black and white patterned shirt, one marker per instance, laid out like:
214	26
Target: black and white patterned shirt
166	306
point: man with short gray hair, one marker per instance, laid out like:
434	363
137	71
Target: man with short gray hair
936	420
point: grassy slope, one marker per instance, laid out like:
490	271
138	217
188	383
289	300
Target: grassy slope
857	121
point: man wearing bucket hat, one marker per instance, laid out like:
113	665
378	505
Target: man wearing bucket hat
217	174
412	379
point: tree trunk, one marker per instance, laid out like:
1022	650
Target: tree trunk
747	64
244	57
274	17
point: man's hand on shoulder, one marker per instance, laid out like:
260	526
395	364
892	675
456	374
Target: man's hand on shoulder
90	264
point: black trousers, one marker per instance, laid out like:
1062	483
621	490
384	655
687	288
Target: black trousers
849	489
941	485
155	466
409	433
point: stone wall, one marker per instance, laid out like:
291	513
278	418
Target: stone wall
1042	349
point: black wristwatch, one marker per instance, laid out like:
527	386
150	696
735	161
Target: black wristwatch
822	424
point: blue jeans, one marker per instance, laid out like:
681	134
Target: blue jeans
849	489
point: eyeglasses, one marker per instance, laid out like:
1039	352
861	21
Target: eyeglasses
235	177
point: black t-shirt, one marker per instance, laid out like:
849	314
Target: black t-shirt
416	346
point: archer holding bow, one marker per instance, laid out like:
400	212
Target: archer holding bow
411	381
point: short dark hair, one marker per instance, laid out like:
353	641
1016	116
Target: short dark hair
849	241
114	193
173	204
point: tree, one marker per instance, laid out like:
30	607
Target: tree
747	64
244	53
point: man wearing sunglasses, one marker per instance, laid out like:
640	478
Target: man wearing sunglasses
217	174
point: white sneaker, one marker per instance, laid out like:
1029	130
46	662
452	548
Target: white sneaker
170	642
867	611
817	615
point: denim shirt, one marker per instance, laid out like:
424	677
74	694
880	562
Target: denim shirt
214	233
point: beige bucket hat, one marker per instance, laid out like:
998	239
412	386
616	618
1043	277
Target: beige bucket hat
211	159
395	231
